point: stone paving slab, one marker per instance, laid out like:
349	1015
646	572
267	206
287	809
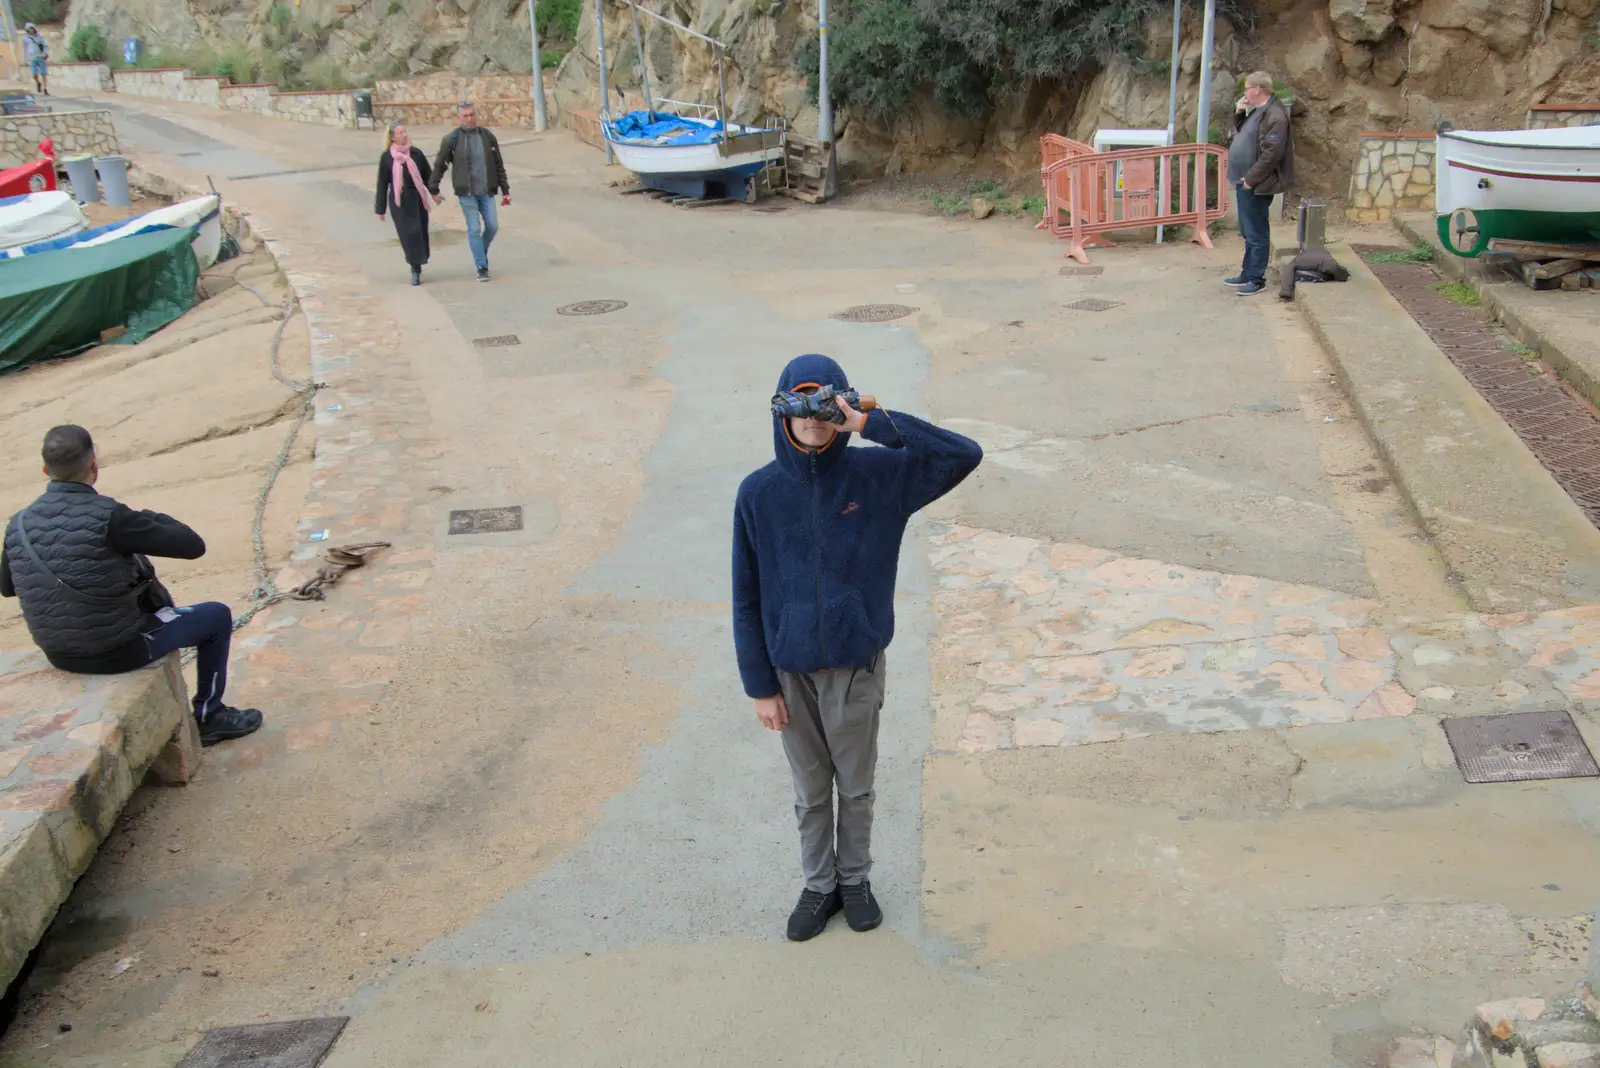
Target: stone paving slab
1060	644
72	750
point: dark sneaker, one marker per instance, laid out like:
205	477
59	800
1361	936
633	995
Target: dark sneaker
226	724
812	913
1236	280
1250	289
416	277
483	274
861	909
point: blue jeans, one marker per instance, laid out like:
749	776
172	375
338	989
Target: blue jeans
208	628
483	222
1256	229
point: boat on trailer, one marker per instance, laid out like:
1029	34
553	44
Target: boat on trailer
1518	185
690	149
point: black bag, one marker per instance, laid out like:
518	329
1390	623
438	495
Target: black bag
147	590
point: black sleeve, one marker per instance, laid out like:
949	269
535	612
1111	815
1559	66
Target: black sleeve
447	151
385	176
499	166
152	534
7	587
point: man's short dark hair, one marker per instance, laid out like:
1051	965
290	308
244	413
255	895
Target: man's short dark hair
464	106
68	453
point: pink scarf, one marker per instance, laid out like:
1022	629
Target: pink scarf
401	154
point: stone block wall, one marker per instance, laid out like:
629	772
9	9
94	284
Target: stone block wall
452	88
75	133
329	107
95	77
165	84
1394	172
202	89
255	98
1545	116
509	112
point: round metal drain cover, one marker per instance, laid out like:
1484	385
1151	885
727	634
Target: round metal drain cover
592	307
874	313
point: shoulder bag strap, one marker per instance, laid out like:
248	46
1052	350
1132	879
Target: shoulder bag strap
76	594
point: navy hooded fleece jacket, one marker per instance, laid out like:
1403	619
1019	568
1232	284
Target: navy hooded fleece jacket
816	537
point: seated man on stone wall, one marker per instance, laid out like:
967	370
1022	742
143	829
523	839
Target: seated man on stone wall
76	560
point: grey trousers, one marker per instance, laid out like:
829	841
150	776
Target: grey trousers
832	738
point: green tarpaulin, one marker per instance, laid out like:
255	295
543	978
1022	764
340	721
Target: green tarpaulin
55	303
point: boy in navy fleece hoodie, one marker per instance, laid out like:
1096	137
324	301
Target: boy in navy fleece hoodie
816	543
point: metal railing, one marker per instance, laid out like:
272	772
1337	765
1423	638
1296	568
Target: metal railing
1094	194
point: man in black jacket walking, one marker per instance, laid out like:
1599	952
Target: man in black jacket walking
70	558
476	172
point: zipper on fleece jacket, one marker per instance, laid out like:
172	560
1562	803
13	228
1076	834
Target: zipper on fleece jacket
816	545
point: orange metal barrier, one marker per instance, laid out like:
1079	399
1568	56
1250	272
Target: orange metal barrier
1082	198
1053	148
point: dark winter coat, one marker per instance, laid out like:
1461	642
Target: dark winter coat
1312	265
410	215
816	537
1273	170
453	155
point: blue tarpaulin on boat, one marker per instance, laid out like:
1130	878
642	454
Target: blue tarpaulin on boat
667	129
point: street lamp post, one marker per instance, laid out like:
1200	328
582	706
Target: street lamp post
600	56
1202	121
825	99
540	120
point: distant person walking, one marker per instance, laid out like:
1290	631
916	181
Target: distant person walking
36	50
403	174
1260	166
476	172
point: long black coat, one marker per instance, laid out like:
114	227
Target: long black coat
410	217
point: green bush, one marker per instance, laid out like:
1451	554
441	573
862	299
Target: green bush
280	16
968	52
558	21
37	11
88	45
395	7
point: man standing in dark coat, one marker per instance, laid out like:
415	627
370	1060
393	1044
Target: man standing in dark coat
1260	166
472	155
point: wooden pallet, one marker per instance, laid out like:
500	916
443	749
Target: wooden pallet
804	170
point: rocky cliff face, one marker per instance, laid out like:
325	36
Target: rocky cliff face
1353	65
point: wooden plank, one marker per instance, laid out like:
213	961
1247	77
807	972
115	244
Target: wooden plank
634	190
1553	269
1572	282
1540	250
800	194
692	203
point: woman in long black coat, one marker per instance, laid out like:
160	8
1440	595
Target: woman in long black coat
403	174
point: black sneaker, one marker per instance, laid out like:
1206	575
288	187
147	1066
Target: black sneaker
226	724
1250	289
483	274
416	276
812	913
1236	281
861	909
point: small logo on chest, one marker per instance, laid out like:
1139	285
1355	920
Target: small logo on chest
852	506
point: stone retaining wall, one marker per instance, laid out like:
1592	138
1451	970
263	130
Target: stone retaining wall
165	83
75	133
95	77
509	112
1544	116
330	107
452	88
255	97
1394	172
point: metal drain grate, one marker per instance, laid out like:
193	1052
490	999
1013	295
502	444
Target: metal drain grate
874	313
1519	747
1078	269
188	155
498	341
1094	304
486	520
592	307
294	1044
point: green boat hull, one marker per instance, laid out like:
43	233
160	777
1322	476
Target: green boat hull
1552	227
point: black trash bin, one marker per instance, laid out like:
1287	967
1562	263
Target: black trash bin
363	99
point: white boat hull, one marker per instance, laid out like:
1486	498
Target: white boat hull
1531	185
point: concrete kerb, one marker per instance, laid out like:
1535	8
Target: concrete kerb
75	749
1574	355
1511	538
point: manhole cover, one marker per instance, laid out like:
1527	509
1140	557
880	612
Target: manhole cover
294	1044
1520	746
486	520
1078	269
1094	304
592	307
497	342
874	313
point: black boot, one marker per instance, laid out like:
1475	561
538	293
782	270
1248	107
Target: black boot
226	723
416	276
812	913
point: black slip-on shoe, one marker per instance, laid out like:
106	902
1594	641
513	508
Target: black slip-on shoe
812	913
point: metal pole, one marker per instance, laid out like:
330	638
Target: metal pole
1202	121
541	121
825	100
722	96
600	56
1172	111
644	69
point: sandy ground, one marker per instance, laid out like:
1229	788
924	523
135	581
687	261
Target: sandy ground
187	422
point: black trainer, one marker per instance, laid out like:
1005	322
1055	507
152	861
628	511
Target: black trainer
812	913
861	909
483	274
226	724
